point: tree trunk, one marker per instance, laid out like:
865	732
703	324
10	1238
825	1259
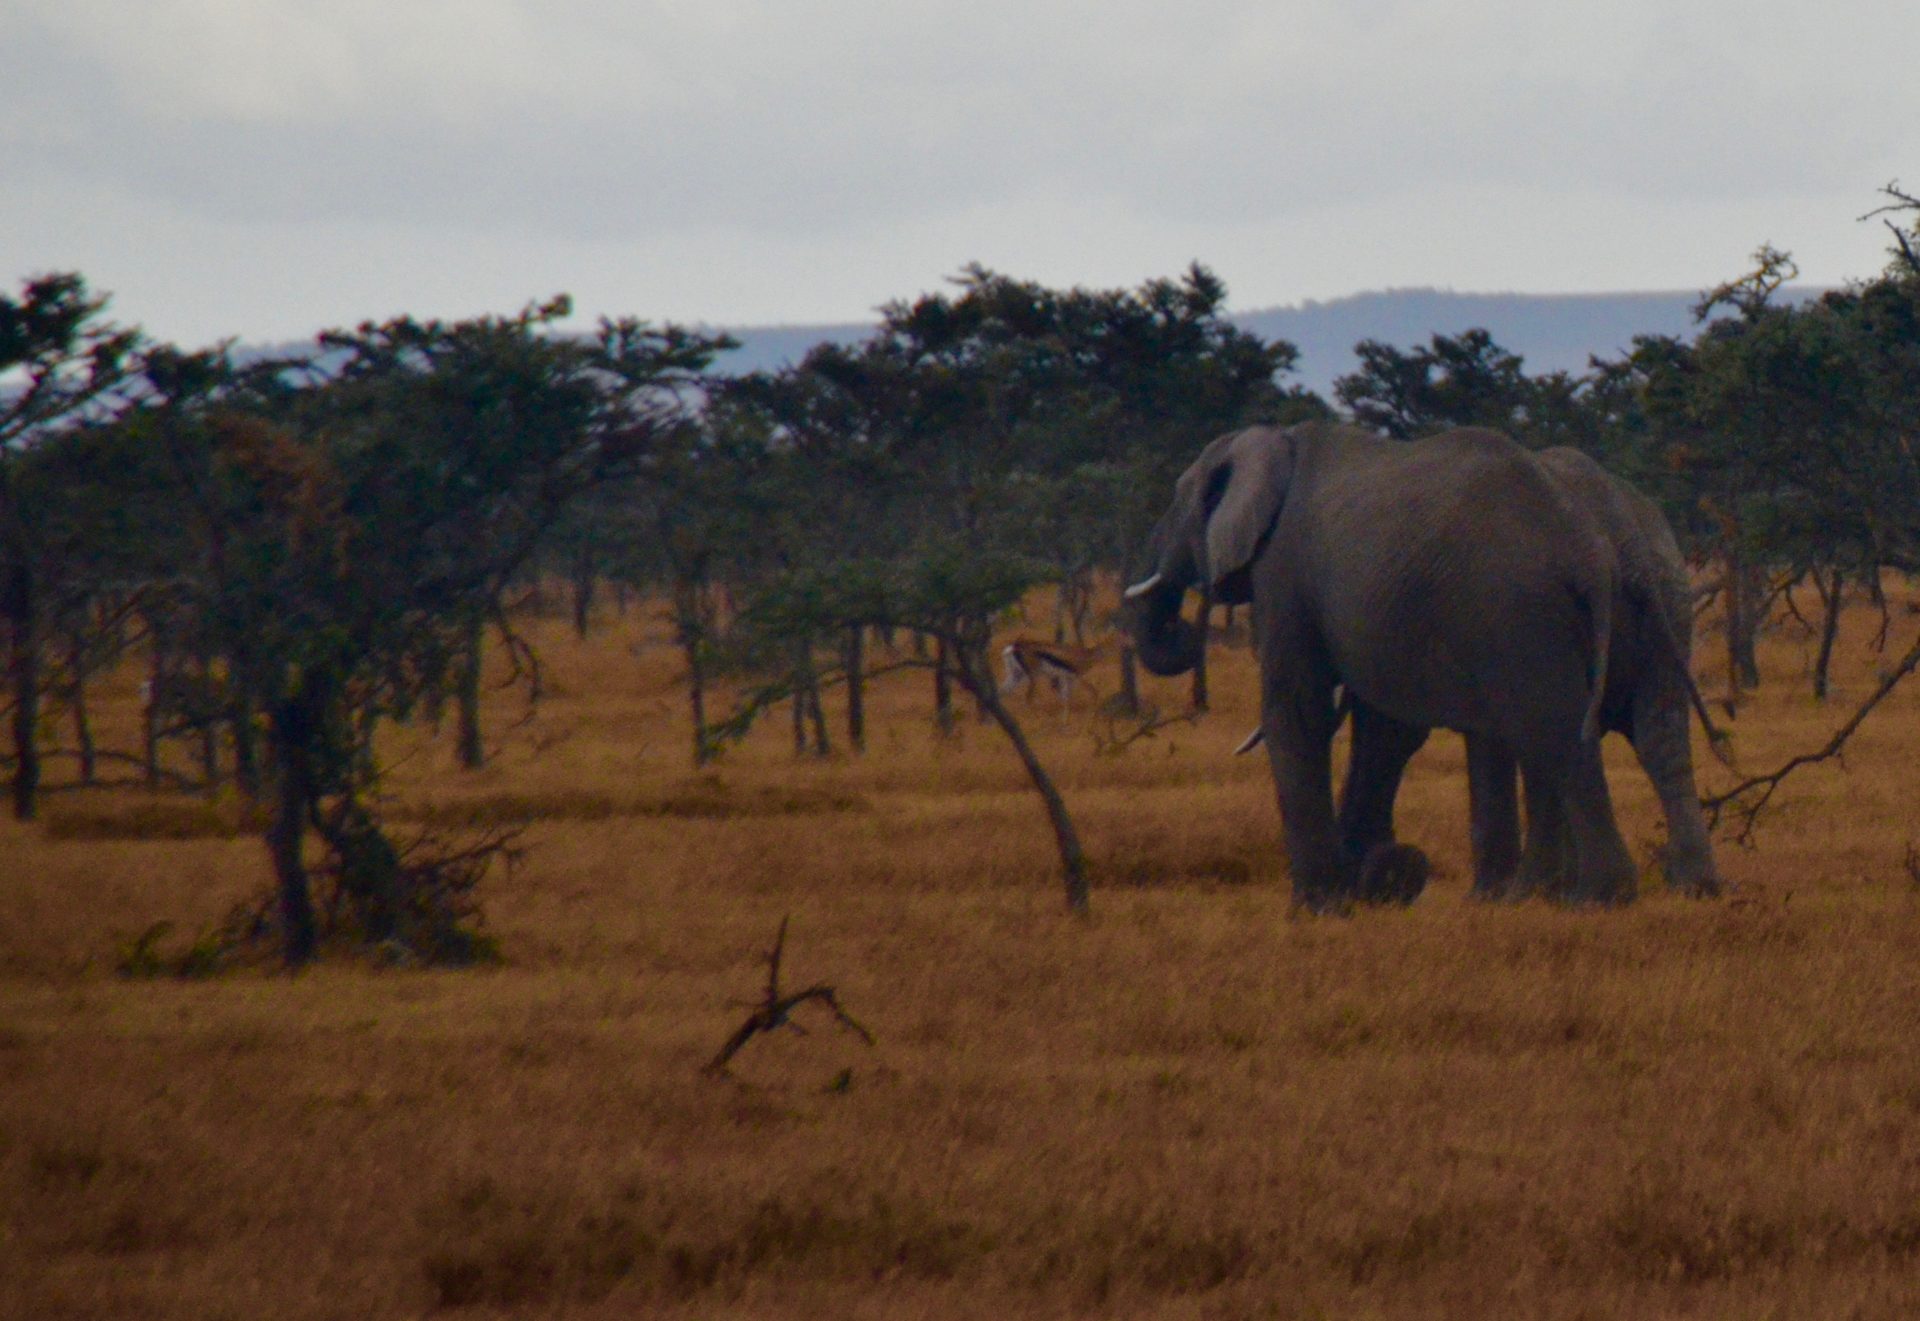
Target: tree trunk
973	674
942	688
697	700
291	729
468	747
690	629
82	722
584	580
1129	704
241	718
206	720
26	723
1753	590
1737	593
1200	663
1071	602
799	719
856	688
246	747
821	746
18	607
1832	596
150	712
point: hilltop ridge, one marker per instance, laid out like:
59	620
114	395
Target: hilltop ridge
1552	332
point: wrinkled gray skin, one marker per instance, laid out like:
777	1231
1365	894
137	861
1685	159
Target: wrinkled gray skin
1446	582
1650	698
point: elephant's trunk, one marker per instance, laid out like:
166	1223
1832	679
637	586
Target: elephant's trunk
1166	643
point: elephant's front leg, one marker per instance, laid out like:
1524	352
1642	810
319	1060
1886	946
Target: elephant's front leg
1382	746
1298	725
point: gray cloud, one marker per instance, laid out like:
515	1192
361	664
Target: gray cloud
745	140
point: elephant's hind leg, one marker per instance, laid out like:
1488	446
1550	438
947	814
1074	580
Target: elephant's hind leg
1546	860
1602	870
1493	805
1661	728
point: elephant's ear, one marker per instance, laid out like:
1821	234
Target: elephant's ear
1252	484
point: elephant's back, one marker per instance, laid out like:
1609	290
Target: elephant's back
1455	493
1457	582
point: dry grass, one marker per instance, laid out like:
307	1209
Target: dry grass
1191	1105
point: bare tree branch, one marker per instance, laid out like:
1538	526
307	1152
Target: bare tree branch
1115	740
1899	201
1746	800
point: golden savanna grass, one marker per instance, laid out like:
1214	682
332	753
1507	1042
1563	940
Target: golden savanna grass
1194	1104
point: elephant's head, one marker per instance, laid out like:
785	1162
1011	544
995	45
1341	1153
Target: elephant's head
1223	508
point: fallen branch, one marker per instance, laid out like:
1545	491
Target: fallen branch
1114	742
774	1009
1747	813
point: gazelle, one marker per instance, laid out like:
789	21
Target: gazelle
1028	660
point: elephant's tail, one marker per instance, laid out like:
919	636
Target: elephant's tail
1600	614
1717	739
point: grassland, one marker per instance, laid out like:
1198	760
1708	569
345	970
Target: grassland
1193	1104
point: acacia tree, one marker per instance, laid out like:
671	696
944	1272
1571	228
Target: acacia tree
1465	380
59	359
1776	440
1871	337
824	489
912	467
345	534
1015	394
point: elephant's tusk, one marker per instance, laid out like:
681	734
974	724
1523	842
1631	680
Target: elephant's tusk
1250	742
1142	587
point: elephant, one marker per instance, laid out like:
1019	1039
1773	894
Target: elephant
1650	694
1447	582
1650	698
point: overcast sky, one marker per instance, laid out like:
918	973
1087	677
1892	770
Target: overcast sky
264	168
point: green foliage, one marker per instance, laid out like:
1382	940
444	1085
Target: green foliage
1785	425
321	538
343	523
57	355
1464	380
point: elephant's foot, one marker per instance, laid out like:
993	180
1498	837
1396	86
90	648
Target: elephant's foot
1321	901
1393	874
1698	886
1613	889
1507	889
1692	877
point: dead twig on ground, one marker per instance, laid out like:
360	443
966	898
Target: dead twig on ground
775	1010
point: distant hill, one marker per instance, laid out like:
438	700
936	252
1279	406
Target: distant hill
1552	332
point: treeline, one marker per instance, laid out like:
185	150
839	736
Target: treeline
303	548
